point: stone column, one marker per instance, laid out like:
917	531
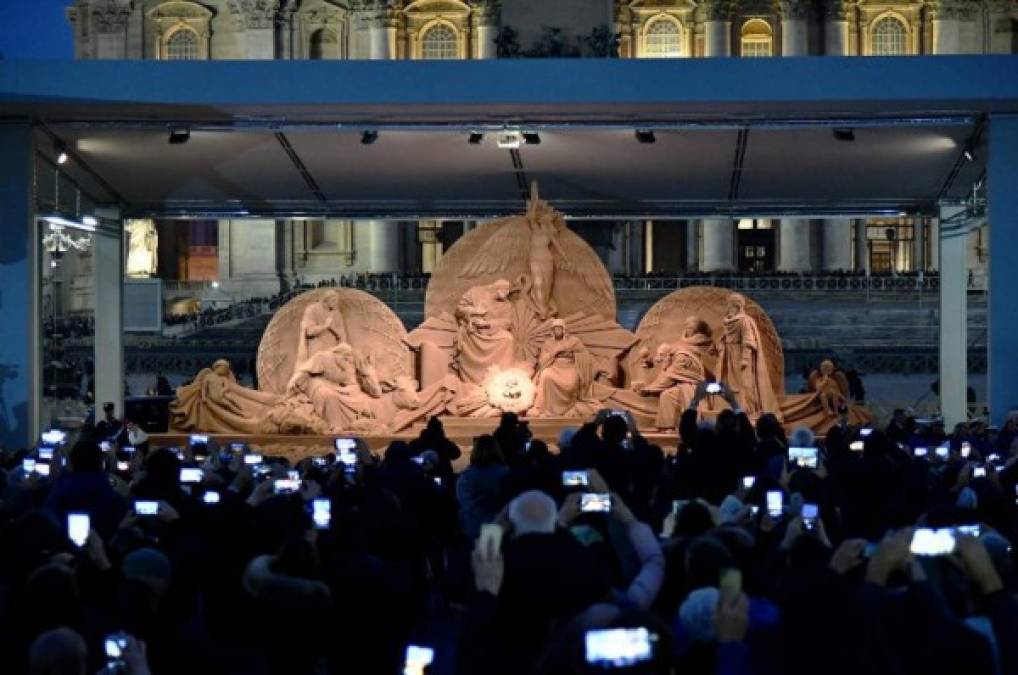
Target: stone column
718	29
836	40
20	256
946	15
918	245
837	244
953	320
692	246
108	249
110	24
718	245
382	34
247	257
484	21
794	245
379	245
862	248
933	264
794	28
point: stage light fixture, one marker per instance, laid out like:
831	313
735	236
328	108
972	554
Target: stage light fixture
844	134
509	140
369	137
475	138
179	136
645	136
531	138
61	152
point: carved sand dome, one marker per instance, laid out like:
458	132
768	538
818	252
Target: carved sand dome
665	322
508	249
371	328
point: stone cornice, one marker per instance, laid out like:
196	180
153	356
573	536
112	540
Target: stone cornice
717	10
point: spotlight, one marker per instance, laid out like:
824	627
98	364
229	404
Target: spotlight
61	152
843	134
969	154
509	140
531	138
90	220
645	136
179	136
475	138
369	137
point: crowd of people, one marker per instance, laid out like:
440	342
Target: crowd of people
884	551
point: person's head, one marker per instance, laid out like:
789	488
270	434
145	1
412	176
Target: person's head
533	512
108	409
725	424
705	558
768	426
298	557
486	452
397	452
435	427
149	567
558	329
509	420
802	438
502	288
827	367
565	437
60	651
693	520
86	456
843	414
736	304
221	367
614	429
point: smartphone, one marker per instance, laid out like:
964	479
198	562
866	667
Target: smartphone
238	447
730	581
595	502
856	446
865	431
943	451
418	658
754	510
678	505
809	517
285	486
920	452
195	439
438	481
347	444
128	449
320	461
618	647
123	466
979	472
115	644
293	474
146	507
748	481
105	446
574	478
491	537
211	497
200	459
28	465
321	513
930	542
42	468
966	449
713	388
191	475
45	453
348	457
78	526
775	503
806	458
54	437
418	460
251	460
971	530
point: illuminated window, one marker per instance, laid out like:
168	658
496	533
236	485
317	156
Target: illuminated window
182	46
757	38
440	42
324	45
888	37
662	39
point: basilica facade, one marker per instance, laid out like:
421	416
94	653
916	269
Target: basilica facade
257	256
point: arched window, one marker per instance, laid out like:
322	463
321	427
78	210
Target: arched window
324	45
888	37
662	39
757	39
182	46
440	42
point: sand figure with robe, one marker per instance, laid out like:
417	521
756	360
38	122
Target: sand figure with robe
340	389
741	362
321	328
215	401
566	371
484	338
680	368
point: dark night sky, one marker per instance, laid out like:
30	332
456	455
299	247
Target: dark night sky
35	29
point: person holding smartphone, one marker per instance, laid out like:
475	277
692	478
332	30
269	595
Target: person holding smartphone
86	487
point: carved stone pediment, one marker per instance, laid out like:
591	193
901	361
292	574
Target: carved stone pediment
254	13
655	5
180	9
445	7
110	16
322	12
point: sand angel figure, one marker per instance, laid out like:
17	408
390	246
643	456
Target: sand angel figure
541	250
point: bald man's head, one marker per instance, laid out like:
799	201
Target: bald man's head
60	651
533	512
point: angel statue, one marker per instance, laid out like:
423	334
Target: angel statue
824	402
321	328
830	385
540	248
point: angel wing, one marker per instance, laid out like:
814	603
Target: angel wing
507	248
814	378
576	256
842	381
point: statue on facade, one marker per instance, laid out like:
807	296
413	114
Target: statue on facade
742	365
566	372
142	248
321	328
